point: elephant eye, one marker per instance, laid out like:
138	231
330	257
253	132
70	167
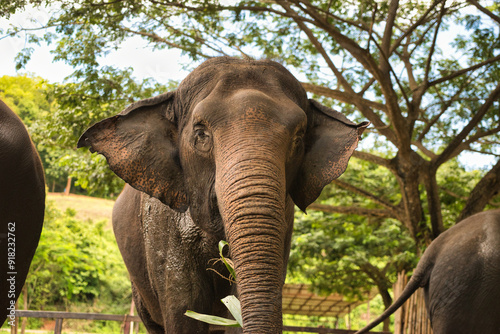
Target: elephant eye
202	138
297	145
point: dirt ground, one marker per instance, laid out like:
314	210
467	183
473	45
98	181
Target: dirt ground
86	207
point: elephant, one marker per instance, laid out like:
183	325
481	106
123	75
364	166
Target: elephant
22	207
223	157
460	274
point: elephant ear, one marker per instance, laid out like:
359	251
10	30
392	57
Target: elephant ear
330	141
140	145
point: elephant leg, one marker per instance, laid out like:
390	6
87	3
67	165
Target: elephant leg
151	326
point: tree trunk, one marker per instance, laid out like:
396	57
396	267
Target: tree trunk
408	173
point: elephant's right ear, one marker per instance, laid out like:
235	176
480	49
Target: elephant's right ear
140	145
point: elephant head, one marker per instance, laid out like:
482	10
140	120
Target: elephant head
237	144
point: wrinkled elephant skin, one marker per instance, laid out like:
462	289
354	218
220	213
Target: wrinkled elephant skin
460	274
229	153
22	205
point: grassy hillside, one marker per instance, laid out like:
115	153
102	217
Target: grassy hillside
86	207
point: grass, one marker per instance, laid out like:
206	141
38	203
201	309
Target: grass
86	207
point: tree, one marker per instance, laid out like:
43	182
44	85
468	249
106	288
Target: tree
351	254
26	96
424	73
105	91
31	100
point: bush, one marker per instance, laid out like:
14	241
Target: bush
77	262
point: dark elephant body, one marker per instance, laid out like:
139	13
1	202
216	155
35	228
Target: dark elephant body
229	152
460	274
168	257
22	205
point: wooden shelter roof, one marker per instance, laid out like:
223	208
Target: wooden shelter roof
298	299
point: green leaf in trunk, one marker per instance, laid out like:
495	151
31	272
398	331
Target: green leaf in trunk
212	319
233	305
227	262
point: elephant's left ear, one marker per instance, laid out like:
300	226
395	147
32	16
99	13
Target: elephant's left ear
329	143
141	147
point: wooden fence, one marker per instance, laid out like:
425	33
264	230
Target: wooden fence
127	319
60	316
411	318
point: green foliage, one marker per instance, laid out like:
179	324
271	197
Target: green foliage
212	319
76	261
80	105
352	254
57	114
456	185
227	262
26	96
8	8
348	255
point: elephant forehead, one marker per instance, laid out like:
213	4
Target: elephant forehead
250	106
227	75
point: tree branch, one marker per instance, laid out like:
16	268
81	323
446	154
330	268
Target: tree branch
366	87
372	197
345	97
433	201
405	57
363	108
445	105
160	39
374	159
410	30
462	71
361	55
483	192
329	15
369	63
387	37
452	194
450	150
424	149
485	11
317	44
433	46
378	213
466	145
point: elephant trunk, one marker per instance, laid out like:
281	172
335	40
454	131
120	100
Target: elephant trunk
251	192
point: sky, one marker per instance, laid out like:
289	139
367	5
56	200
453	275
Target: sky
162	65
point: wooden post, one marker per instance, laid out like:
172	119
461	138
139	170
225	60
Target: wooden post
400	314
132	306
24	321
58	326
13	329
128	326
68	187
